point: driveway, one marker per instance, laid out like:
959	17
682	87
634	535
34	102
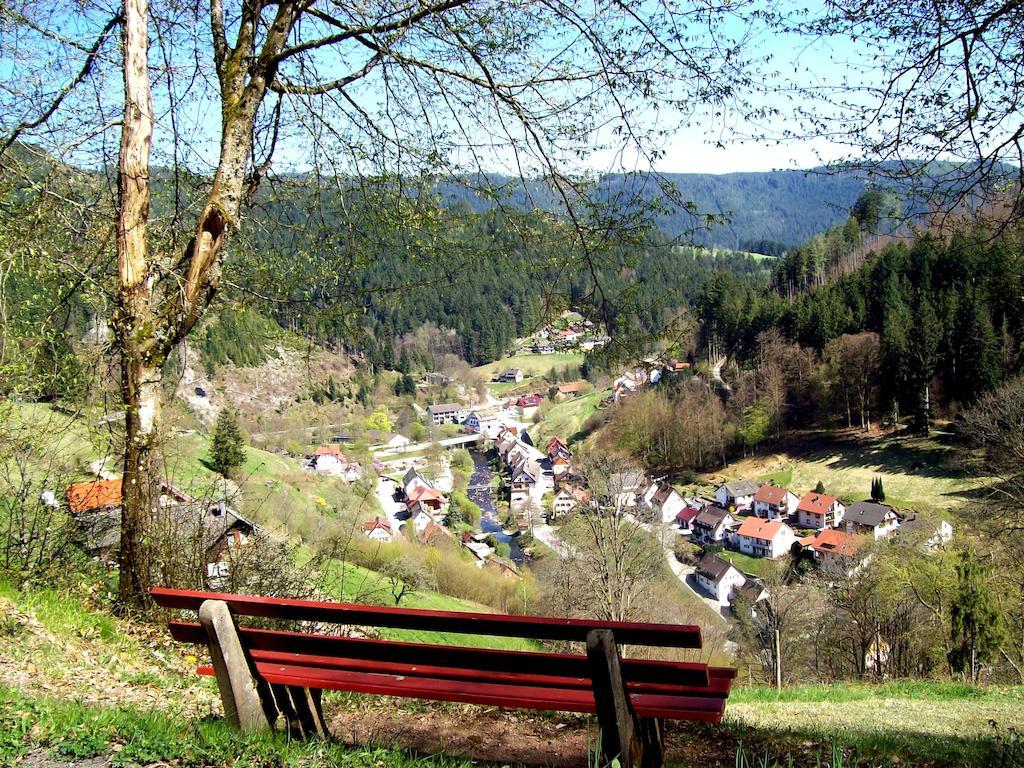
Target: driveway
386	488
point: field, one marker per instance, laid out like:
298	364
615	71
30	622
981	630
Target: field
567	418
917	473
532	366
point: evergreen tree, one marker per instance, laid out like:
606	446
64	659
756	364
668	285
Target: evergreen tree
877	491
895	327
227	451
976	625
922	351
820	487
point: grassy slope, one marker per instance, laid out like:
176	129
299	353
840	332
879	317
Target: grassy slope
64	666
567	418
917	473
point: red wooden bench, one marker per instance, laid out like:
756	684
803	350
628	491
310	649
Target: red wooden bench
266	674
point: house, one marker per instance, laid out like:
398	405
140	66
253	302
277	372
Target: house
559	455
429	499
685	518
835	551
510	376
719	578
435	379
480	550
567	499
929	534
421	519
378	529
666	503
484	422
351	471
96	507
774	503
542	349
503	568
751	593
221	532
758	537
712	525
528	405
871	517
625	487
327	460
413	478
566	391
818	511
737	494
446	413
435	535
674	366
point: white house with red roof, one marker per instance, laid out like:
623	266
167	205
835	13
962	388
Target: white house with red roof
819	511
327	459
685	518
528	405
378	529
764	538
666	502
774	503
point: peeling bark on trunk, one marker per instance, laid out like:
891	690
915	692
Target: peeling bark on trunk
148	325
140	381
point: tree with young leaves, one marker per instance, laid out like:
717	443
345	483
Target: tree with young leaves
383	98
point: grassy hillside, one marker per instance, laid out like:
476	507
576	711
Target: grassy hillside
567	418
534	368
919	473
76	683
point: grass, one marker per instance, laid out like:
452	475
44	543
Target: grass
566	419
753	566
532	365
903	722
72	731
917	473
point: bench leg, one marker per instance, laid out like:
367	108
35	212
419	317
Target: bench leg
635	742
302	711
248	704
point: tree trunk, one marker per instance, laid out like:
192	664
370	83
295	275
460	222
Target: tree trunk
140	381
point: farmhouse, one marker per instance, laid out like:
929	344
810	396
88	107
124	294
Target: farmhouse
764	538
378	529
738	494
510	376
719	578
774	503
528	405
818	511
565	391
871	517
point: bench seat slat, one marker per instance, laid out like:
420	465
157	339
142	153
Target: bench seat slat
491	660
533	627
719	685
706	708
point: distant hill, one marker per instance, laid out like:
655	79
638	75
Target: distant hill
765	211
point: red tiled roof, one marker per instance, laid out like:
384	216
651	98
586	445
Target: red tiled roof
833	540
376	523
770	494
419	493
816	503
758	528
329	450
94	495
686	515
570	389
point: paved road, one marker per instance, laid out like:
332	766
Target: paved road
386	488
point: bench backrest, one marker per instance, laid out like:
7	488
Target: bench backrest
532	627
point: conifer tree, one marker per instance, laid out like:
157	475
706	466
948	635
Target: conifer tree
227	451
976	624
877	491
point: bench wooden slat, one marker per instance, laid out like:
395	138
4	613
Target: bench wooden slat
493	694
719	685
486	659
533	627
